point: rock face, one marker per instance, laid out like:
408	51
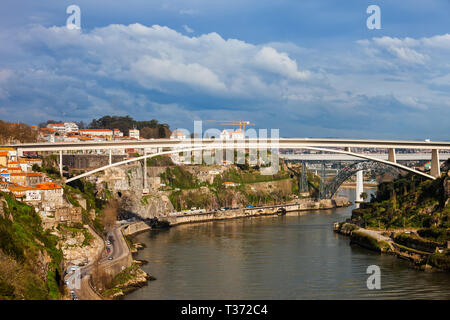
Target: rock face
75	253
126	185
147	207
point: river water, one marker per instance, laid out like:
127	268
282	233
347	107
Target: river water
297	256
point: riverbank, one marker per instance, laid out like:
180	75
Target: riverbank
294	206
406	244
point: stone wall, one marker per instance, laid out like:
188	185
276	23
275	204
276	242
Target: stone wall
89	161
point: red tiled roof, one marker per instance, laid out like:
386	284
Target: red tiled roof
48	186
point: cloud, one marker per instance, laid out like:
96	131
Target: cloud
187	29
157	72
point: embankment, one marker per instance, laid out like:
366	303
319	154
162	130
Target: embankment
299	205
421	253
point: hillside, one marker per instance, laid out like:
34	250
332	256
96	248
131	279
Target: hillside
29	257
408	202
148	129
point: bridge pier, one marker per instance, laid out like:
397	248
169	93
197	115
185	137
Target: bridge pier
359	186
435	165
391	155
145	172
60	163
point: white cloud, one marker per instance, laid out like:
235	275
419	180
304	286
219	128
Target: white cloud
270	59
187	29
157	71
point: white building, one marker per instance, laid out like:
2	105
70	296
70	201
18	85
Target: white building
96	132
117	133
178	134
134	133
234	135
59	127
70	127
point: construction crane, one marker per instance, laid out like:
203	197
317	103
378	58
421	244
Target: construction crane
240	123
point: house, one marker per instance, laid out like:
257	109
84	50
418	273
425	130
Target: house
51	192
13	164
70	127
4	174
178	134
117	133
235	135
4	156
26	193
26	178
58	127
134	134
96	132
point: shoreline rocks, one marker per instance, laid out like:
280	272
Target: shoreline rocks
436	261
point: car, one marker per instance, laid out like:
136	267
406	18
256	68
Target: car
250	206
108	243
110	258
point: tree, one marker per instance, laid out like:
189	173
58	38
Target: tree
364	195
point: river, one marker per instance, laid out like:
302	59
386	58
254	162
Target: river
297	256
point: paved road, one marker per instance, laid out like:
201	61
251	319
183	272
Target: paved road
119	249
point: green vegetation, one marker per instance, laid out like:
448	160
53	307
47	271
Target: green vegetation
409	201
120	284
74	229
440	260
160	161
179	177
86	190
49	166
25	248
148	129
369	242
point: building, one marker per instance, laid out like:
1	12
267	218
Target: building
51	192
96	132
134	133
178	134
26	178
234	135
58	127
4	156
12	153
117	133
70	127
63	128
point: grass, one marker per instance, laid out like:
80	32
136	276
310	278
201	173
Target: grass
24	241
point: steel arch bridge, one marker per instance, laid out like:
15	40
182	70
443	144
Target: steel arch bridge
345	173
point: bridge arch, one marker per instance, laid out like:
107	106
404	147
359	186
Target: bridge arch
350	170
249	146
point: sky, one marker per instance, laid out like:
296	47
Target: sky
309	68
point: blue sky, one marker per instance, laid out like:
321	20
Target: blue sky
310	68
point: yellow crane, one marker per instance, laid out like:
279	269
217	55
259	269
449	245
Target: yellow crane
240	123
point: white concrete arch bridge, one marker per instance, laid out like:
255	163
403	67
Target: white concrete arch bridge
199	145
